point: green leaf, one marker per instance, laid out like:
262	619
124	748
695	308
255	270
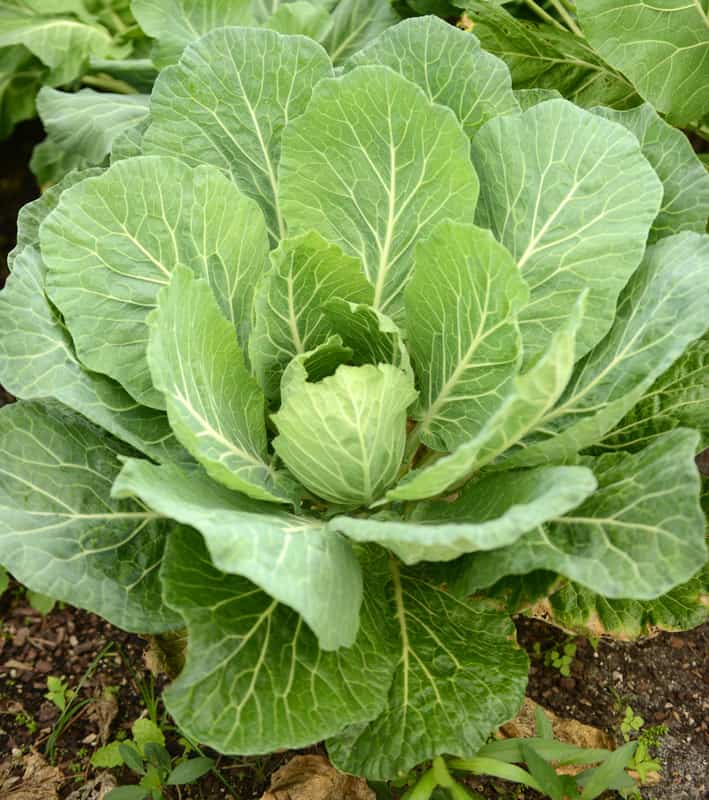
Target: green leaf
215	407
660	312
526	98
448	64
108	257
459	675
461	315
60	531
108	756
292	558
300	18
544	57
40	602
354	24
264	80
21	75
344	437
127	793
545	206
190	771
289	308
146	731
606	774
4	581
407	158
129	142
533	394
255	679
542	771
492	512
177	23
662	47
638	536
685	204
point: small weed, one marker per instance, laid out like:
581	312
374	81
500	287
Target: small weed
648	740
631	723
27	722
58	692
561	659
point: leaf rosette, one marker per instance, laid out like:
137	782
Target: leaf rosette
321	383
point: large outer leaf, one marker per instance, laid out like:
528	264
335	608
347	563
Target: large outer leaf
289	308
215	407
638	536
21	75
177	23
459	676
574	211
533	394
37	358
344	436
661	311
490	513
292	558
663	47
543	57
61	533
685	204
113	241
255	679
227	102
448	65
373	165
301	17
461	315
354	24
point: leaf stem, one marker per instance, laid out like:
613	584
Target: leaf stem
545	15
109	84
568	19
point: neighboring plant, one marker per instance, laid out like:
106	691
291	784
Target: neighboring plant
316	372
561	659
58	692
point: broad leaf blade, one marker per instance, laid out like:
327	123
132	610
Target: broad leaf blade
292	558
21	75
354	24
264	80
448	64
215	407
406	157
461	315
540	196
60	531
255	679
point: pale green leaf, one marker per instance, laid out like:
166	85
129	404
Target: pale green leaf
492	512
315	364
113	241
640	535
300	18
373	165
21	75
289	309
263	81
292	558
448	64
129	142
145	731
532	395
660	312
459	676
574	211
663	47
685	204
177	23
354	24
344	437
461	307
215	407
526	98
62	534
255	679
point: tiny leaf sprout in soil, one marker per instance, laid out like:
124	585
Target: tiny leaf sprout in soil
340	375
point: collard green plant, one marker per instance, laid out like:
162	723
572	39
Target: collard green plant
324	356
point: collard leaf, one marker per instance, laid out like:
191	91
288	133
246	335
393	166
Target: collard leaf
354	24
301	18
490	513
461	315
37	358
215	407
544	57
640	535
255	678
533	395
526	98
60	531
459	676
289	311
177	23
21	75
663	47
541	196
373	165
129	143
448	64
292	558
660	312
344	437
113	241
685	204
264	80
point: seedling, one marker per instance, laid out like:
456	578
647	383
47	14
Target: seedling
561	659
